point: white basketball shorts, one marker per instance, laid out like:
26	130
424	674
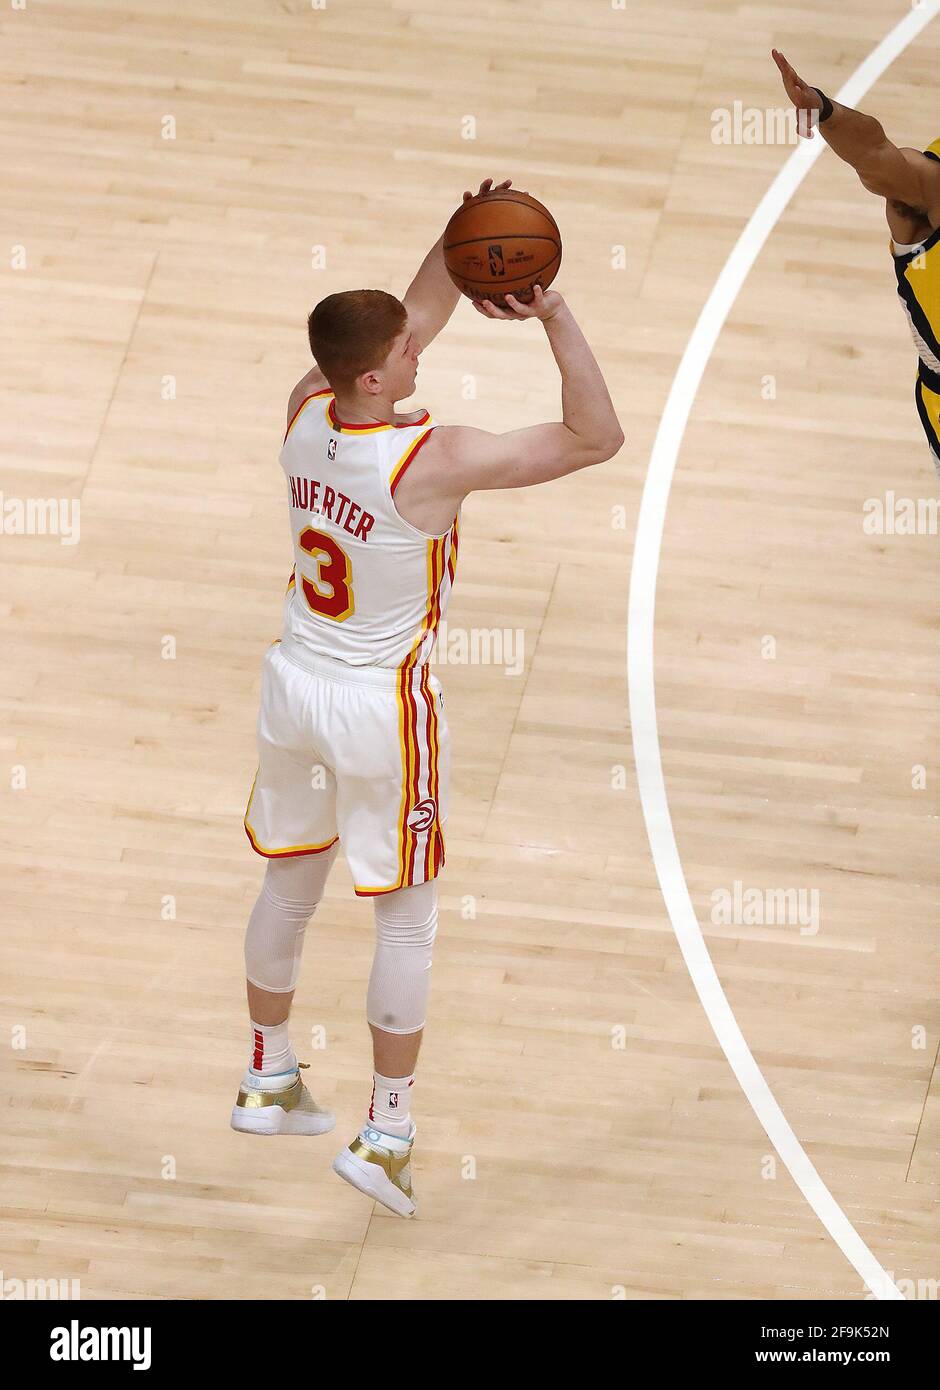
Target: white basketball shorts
355	754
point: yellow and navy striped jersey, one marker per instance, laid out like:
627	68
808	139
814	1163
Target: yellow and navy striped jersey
368	587
917	268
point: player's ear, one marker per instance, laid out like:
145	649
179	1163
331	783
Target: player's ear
369	382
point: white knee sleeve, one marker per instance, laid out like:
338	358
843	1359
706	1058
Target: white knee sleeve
274	941
405	925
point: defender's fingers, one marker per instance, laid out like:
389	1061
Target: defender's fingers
788	71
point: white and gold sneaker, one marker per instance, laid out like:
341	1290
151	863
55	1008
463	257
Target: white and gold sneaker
380	1166
278	1104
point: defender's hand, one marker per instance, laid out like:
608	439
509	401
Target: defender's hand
545	305
804	97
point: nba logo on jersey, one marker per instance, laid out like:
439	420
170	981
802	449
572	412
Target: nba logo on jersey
331	450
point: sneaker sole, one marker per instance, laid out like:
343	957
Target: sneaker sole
271	1119
371	1181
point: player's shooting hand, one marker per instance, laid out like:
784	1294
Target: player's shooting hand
545	304
805	98
487	187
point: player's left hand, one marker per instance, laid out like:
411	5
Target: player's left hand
545	305
804	97
487	187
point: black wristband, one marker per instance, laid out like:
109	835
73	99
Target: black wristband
826	111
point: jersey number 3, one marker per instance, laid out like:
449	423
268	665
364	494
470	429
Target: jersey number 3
331	593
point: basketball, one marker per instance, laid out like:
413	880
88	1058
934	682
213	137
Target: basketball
502	243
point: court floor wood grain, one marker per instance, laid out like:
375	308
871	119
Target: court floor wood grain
580	1132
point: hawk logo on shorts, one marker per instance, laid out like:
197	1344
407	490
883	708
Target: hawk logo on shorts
331	450
424	815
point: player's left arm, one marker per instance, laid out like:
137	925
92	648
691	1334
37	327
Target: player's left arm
308	385
902	176
432	296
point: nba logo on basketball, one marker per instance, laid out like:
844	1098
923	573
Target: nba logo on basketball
331	450
496	260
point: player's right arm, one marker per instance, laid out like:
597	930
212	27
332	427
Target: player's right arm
464	460
904	177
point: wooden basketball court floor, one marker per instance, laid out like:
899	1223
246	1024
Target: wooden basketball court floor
581	1133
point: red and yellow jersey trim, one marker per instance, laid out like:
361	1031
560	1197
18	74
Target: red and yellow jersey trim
407	458
437	549
434	845
415	703
343	428
454	546
291	851
408	732
317	395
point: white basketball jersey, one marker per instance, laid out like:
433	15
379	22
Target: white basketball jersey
368	588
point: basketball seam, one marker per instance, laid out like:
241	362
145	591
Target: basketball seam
510	279
510	236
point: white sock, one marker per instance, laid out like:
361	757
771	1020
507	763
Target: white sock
390	1110
271	1051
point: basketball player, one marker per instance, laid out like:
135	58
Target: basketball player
909	182
352	735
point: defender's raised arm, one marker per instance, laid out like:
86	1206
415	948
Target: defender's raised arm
902	175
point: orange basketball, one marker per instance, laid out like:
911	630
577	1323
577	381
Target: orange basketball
502	243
